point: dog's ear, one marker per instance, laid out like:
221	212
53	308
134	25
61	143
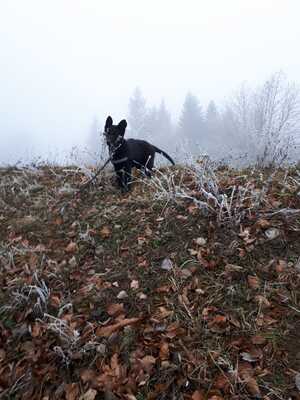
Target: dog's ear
108	124
122	126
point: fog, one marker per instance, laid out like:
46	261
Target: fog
66	64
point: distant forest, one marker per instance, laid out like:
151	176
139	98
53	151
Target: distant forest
260	125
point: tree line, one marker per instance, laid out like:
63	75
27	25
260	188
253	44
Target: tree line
256	125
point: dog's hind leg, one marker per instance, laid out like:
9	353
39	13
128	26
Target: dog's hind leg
127	178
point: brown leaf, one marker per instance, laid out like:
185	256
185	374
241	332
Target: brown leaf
2	354
263	301
253	355
218	320
71	248
105	232
134	284
58	221
192	208
164	352
281	266
114	362
263	223
148	231
253	282
106	331
87	375
147	363
234	322
252	387
72	391
246	374
222	382
163	313
89	395
115	309
163	289
258	340
198	395
55	300
35	329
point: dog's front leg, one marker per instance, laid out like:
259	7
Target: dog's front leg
120	178
127	177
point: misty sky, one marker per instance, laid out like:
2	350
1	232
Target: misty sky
65	61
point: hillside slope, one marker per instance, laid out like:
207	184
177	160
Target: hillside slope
109	295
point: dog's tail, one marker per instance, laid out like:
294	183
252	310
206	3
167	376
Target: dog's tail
157	150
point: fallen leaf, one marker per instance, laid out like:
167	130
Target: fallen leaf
131	396
281	266
164	352
58	221
200	241
297	265
35	329
246	374
115	309
258	340
89	395
198	395
263	301
72	391
248	357
122	295
272	233
147	363
106	331
105	232
297	381
148	232
234	322
263	223
134	284
218	323
167	264
2	355
218	320
71	248
142	296
185	273
163	313
253	282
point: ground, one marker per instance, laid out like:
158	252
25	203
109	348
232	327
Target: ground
107	295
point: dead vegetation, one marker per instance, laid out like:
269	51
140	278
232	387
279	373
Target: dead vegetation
186	288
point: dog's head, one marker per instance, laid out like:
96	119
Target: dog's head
114	134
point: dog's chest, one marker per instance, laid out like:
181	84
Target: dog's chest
119	157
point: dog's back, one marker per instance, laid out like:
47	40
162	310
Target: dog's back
140	151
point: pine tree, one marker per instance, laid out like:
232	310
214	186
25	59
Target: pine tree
191	121
164	125
137	116
94	142
212	115
212	128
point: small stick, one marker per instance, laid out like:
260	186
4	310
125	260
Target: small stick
84	186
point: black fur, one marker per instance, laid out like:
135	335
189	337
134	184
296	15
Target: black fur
127	154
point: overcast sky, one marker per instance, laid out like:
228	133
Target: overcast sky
65	61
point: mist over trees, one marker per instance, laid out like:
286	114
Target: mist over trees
255	126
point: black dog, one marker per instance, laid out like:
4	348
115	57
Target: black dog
126	154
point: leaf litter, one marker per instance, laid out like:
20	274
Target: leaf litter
134	298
